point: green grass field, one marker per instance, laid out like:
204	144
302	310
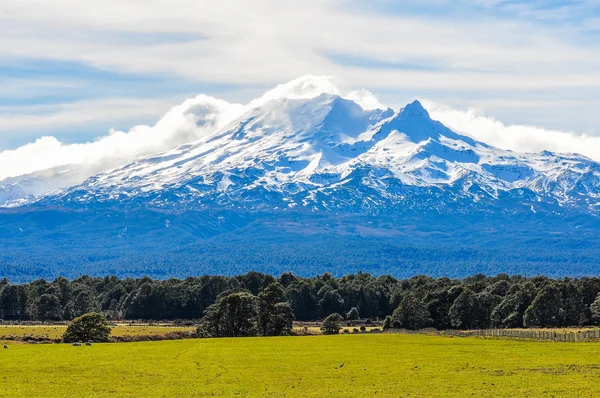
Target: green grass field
56	331
373	365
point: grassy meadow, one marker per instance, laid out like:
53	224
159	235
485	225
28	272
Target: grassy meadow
56	331
384	365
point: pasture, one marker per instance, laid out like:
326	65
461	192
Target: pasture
384	365
56	331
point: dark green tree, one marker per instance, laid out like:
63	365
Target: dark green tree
572	308
302	298
13	302
274	315
411	314
286	279
595	311
332	324
545	310
255	282
282	320
353	314
83	302
205	291
509	312
387	323
486	303
47	308
88	327
463	312
439	301
143	303
234	315
331	301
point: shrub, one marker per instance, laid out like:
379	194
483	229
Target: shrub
353	314
387	323
88	327
332	324
363	328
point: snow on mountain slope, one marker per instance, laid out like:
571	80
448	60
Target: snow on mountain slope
47	159
328	153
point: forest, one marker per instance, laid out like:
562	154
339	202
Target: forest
475	302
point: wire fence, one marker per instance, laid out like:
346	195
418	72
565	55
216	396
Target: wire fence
534	334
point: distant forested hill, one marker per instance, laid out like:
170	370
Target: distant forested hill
159	244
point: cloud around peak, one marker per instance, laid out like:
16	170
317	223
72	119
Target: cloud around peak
309	86
184	123
204	115
519	138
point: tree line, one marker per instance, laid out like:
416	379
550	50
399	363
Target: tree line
271	303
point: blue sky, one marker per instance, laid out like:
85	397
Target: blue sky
49	86
74	70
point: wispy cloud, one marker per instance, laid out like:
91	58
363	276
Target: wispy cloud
183	123
201	116
521	138
52	117
235	41
195	118
486	52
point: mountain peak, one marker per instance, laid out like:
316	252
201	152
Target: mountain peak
413	121
415	108
304	139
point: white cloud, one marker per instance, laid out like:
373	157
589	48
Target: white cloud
310	86
475	123
194	118
204	115
53	117
494	61
183	123
475	54
271	41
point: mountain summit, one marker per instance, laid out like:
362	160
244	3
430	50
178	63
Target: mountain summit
327	153
308	180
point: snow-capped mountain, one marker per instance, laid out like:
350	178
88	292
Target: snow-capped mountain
328	154
27	188
311	181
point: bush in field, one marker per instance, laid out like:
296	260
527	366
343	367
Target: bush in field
387	323
353	314
332	324
88	327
